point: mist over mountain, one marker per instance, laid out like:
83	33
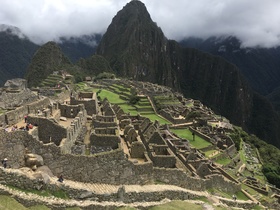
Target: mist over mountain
76	48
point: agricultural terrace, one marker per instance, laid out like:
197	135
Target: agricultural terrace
162	101
120	95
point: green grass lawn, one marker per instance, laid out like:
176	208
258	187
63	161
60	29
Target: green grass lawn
112	97
209	152
154	117
198	143
223	161
177	205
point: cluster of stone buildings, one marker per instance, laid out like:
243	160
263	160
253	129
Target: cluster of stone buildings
94	141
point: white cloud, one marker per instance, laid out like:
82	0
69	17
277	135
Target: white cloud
255	22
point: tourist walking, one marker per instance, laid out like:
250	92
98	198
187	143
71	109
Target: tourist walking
60	178
4	162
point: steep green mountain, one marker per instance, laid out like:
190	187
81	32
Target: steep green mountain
16	52
47	59
94	65
137	48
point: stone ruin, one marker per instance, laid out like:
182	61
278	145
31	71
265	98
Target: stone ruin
122	149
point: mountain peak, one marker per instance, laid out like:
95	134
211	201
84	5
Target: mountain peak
134	45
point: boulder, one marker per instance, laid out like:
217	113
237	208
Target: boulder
33	159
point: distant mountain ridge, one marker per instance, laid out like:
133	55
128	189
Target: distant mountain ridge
17	50
260	66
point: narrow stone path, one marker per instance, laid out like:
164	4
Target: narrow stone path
57	202
87	136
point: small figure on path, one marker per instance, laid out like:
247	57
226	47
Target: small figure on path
234	197
60	178
4	162
25	118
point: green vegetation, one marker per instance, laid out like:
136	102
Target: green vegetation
223	161
198	143
52	80
112	97
210	153
270	157
133	109
177	205
47	59
154	117
39	207
96	65
9	203
58	193
2	111
162	101
239	195
105	75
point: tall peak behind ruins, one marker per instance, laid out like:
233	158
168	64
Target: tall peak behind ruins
136	47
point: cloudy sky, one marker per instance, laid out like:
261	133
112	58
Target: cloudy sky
255	22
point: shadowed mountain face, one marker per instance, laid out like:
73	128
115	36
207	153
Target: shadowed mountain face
47	59
260	66
15	54
137	48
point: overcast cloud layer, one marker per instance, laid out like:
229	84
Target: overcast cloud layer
254	22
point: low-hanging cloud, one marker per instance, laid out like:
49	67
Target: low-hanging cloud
254	22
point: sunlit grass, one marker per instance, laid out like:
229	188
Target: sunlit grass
198	143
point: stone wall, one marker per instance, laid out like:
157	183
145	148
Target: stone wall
16	115
11	147
109	167
38	105
70	111
104	140
48	131
90	105
207	138
180	178
21	180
